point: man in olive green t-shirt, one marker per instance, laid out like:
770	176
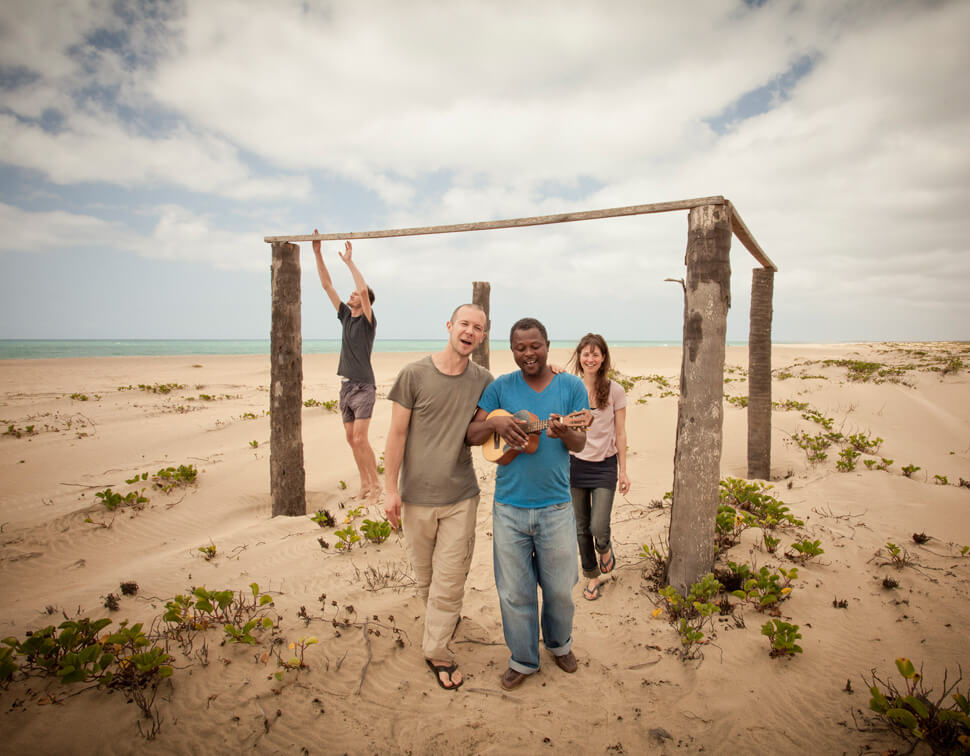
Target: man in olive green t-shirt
436	498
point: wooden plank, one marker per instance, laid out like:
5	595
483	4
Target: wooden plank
744	236
539	220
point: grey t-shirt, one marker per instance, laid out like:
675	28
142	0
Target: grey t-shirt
357	345
437	468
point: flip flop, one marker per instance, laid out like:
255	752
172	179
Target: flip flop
591	594
607	561
448	669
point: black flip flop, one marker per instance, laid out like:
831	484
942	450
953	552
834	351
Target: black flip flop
448	669
607	561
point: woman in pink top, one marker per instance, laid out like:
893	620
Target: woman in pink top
599	469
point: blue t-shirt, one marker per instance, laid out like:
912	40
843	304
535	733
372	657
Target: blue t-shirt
540	479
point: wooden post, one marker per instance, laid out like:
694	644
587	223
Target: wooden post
759	374
481	293
287	478
697	454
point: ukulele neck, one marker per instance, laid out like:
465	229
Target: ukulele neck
537	426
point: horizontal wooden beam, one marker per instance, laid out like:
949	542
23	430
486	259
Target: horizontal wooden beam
539	220
737	225
744	236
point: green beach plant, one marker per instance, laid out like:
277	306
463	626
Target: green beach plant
376	532
864	443
77	652
154	388
790	405
296	662
914	715
324	519
169	478
898	556
908	470
782	636
15	432
770	542
764	588
329	404
112	500
691	614
805	550
348	537
848	457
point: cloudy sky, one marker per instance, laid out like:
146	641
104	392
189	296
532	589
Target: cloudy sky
146	148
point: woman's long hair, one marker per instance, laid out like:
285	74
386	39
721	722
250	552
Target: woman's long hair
601	391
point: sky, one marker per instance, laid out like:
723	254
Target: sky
147	148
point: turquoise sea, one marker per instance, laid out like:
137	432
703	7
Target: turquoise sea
20	349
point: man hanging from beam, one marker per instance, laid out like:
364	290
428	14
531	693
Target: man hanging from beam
358	389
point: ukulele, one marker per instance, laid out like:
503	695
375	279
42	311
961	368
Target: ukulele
497	449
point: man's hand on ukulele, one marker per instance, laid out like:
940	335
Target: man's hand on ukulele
510	430
556	428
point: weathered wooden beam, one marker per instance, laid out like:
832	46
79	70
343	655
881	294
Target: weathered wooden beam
481	294
745	237
700	411
759	374
287	477
539	220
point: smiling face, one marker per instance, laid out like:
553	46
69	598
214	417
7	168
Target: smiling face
466	330
530	350
590	359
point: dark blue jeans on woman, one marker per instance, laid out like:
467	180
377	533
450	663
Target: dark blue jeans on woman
593	508
592	485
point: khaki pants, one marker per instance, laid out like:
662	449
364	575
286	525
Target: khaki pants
440	542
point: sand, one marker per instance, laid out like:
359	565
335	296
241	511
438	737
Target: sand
366	689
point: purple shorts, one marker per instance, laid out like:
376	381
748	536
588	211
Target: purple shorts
357	400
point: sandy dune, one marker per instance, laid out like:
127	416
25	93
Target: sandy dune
366	689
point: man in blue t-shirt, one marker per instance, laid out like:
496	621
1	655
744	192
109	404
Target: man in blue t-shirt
358	389
533	526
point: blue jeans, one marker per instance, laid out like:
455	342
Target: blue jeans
532	549
593	508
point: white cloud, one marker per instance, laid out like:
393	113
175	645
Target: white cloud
100	149
181	234
855	181
98	94
41	231
520	91
178	234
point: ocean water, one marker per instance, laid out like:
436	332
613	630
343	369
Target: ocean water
20	349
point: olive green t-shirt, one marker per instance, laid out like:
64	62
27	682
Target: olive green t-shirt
437	468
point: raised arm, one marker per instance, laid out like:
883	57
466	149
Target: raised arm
393	457
324	274
361	285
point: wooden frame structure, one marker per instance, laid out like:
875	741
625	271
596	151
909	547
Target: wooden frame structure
711	223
